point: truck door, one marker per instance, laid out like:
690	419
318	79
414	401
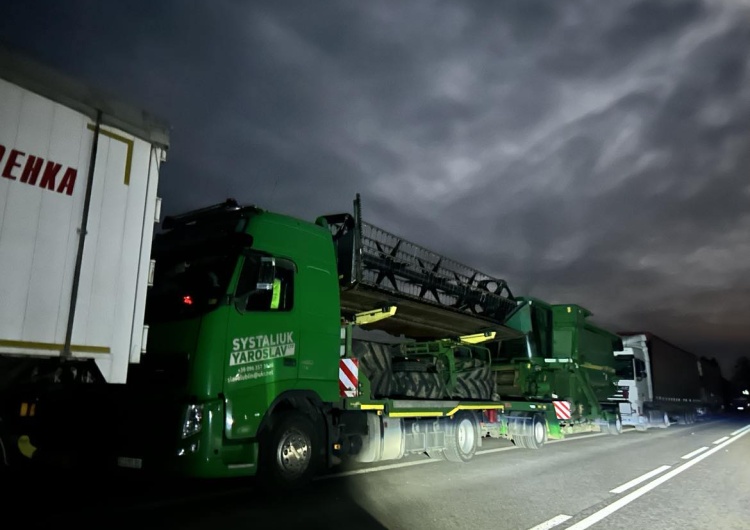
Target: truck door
263	325
641	381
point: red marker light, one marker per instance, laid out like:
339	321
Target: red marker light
187	300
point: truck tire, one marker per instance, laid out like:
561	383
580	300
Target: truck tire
289	451
613	427
461	438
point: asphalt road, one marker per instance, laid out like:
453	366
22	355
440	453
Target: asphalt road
684	477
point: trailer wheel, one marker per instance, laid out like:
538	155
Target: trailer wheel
461	438
290	457
538	435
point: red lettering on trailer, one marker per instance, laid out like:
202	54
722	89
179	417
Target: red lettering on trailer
32	168
48	178
68	181
11	163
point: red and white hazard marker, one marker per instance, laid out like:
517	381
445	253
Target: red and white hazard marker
348	377
562	409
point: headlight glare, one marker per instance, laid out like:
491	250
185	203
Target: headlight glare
193	422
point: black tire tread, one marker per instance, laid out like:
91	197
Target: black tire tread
375	361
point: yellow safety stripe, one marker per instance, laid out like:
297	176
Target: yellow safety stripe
475	407
53	347
127	141
372	407
597	367
415	414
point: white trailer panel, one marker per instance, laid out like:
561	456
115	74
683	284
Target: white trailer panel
47	135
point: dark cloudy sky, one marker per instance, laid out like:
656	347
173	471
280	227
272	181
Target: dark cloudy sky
593	152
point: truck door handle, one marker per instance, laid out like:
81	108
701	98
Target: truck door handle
290	362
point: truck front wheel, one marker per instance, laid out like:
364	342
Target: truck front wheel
289	455
614	426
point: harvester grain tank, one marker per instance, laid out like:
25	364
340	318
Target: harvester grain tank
565	360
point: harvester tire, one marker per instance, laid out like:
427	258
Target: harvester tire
422	385
289	452
473	380
461	438
375	361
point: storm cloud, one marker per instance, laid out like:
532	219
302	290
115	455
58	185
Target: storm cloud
588	152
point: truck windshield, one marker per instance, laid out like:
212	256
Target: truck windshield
624	367
189	283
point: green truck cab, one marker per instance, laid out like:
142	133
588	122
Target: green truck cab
247	301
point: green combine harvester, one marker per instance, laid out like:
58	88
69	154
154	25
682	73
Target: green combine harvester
564	360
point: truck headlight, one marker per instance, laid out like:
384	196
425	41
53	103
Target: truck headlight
193	422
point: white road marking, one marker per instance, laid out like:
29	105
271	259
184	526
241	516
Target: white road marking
696	452
556	520
630	497
746	427
640	479
495	450
717	442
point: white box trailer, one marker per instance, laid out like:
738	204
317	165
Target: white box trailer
78	202
659	382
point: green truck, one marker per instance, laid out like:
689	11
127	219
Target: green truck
279	347
564	360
